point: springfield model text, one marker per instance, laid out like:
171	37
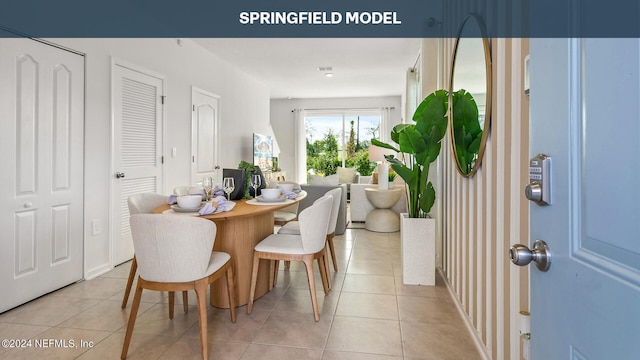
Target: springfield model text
318	18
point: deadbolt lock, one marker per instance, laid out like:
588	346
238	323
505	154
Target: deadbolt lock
538	189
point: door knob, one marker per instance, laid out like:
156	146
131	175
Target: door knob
521	255
119	175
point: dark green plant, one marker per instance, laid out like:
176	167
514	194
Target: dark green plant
467	133
249	168
361	162
419	145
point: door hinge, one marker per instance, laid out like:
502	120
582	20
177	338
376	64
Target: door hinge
162	159
194	107
193	158
162	99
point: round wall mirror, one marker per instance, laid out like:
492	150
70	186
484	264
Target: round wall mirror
470	95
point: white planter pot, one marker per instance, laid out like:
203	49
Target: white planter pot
418	236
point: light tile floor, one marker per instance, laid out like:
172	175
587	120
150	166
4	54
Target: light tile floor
369	314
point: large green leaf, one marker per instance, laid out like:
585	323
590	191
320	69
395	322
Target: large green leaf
421	144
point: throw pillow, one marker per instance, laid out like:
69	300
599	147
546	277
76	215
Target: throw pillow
323	180
331	180
346	175
316	180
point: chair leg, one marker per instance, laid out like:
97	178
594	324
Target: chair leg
287	265
172	301
132	275
132	320
272	274
254	279
185	301
201	289
276	267
325	262
231	288
333	252
308	263
324	272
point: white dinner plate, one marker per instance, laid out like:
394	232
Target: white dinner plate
259	198
177	208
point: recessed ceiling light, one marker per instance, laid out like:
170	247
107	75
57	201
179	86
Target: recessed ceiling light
329	74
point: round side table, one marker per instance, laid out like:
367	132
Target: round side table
382	218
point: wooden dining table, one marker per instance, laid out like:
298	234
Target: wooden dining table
238	232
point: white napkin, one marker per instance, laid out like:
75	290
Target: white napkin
290	195
218	204
217	191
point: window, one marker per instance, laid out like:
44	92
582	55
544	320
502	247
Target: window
340	138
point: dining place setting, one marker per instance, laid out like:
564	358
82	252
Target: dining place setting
283	192
210	199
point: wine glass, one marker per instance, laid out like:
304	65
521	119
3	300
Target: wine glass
255	182
228	186
207	185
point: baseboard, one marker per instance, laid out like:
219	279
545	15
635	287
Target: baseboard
475	335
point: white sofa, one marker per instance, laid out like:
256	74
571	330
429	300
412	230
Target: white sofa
360	206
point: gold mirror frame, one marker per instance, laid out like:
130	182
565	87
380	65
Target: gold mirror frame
487	104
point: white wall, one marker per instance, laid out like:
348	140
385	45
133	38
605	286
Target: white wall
284	129
244	108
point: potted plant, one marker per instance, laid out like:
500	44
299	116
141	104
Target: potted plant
248	168
418	146
392	177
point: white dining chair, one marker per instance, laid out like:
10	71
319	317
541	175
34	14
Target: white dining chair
309	245
143	203
285	215
293	227
175	254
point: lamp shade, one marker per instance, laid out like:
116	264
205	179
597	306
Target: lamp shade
377	153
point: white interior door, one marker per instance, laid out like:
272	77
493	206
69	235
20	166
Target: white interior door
585	114
137	148
204	134
41	182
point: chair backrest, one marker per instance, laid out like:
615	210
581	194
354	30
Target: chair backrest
144	203
314	221
171	248
336	194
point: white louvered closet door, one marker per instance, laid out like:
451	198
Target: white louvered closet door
137	148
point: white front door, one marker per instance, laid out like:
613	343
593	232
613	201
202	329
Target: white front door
137	148
204	134
585	114
41	181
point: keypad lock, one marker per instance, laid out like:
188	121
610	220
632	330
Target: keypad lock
539	188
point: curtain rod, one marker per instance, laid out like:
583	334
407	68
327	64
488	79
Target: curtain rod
352	109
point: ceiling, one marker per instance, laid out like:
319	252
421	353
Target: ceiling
289	67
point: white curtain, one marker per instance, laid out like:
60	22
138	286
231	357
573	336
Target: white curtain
413	94
300	147
385	129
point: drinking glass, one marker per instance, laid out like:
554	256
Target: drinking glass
255	182
228	186
207	185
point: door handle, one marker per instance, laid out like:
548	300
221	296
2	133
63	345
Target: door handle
522	256
119	175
